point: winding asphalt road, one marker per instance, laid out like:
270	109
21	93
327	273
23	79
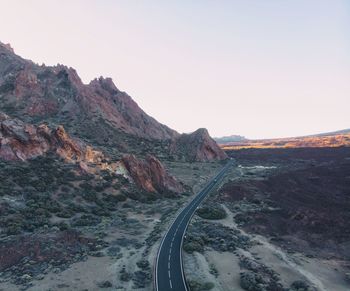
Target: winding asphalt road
168	271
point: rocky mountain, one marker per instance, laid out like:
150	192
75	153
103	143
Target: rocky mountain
98	112
57	93
48	109
196	146
82	177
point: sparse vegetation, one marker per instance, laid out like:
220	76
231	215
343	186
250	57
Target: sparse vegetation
211	211
213	270
197	286
206	234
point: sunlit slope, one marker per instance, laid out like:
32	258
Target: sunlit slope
336	140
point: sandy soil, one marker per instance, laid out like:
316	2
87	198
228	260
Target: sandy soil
81	275
193	174
227	265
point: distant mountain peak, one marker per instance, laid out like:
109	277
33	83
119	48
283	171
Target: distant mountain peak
7	46
105	83
230	138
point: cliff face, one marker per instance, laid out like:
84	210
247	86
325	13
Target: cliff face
150	175
21	141
197	146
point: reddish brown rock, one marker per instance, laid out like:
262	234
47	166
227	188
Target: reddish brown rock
120	109
21	141
44	92
150	175
197	146
99	110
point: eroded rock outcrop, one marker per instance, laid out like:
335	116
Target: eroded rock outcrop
197	146
21	141
150	175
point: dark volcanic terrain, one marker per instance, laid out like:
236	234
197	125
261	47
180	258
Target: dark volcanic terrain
280	221
309	197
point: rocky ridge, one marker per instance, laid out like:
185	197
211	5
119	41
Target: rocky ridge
98	112
46	92
196	146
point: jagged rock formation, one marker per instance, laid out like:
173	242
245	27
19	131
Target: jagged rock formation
98	112
47	92
150	175
197	146
21	141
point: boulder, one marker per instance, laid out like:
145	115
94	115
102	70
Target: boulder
21	141
150	175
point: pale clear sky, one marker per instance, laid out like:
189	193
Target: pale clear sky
260	68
